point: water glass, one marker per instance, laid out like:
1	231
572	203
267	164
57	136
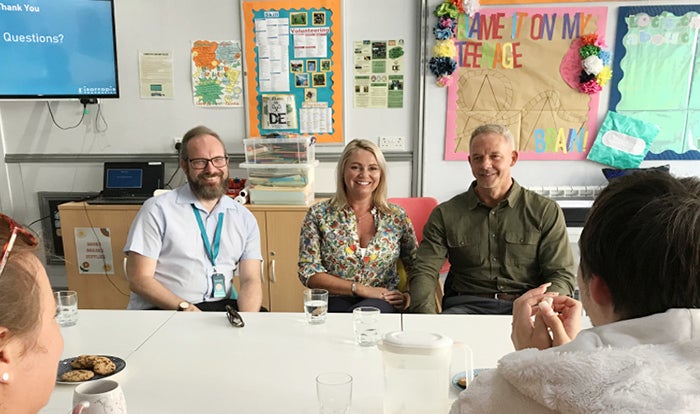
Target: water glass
334	392
315	305
66	307
365	322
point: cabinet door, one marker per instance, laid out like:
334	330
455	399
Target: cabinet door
283	228
108	289
260	217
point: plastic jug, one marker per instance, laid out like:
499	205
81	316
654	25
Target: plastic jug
416	372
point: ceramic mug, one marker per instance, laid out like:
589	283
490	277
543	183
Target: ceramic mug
102	397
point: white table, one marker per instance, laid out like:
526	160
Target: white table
198	363
104	332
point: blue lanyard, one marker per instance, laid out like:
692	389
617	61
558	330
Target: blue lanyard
213	249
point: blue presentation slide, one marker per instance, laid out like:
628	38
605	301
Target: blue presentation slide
57	48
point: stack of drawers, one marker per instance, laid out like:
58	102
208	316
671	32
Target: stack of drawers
280	170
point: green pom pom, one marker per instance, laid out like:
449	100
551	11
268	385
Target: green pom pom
589	50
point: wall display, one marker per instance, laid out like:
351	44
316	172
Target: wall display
517	67
378	73
216	73
294	66
156	75
656	56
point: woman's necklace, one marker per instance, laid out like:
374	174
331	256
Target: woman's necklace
359	218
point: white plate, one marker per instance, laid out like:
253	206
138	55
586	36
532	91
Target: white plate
463	374
64	366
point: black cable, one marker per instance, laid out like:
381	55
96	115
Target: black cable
66	128
38	220
167	185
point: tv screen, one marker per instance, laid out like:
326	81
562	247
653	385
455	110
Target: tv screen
58	49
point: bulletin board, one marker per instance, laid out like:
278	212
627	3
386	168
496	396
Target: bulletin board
657	62
294	65
511	71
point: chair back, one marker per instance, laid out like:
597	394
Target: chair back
418	210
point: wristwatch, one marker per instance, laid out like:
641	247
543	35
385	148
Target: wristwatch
353	288
183	306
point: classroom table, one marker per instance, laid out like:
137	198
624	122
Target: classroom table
104	332
188	362
199	363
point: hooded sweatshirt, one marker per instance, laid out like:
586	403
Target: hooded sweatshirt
642	365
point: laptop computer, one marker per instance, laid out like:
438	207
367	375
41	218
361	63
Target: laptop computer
129	182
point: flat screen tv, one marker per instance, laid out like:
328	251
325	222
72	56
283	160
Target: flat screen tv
58	49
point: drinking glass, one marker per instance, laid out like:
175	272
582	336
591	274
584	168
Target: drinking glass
315	305
66	307
334	392
365	322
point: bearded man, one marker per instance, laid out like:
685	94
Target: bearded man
185	246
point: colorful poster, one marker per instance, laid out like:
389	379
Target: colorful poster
378	68
509	72
296	53
658	66
94	250
216	73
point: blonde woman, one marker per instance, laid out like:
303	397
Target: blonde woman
351	243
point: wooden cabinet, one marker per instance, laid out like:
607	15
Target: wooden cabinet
97	290
279	234
279	238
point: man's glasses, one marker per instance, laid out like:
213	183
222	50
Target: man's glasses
16	229
201	163
234	317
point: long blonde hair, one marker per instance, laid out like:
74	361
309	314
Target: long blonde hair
340	199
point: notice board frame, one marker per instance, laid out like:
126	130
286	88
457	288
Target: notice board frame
335	47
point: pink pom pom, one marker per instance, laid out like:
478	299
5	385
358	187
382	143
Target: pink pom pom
591	87
445	80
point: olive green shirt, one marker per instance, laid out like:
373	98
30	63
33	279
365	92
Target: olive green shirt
511	248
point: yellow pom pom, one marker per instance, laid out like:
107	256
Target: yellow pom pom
445	48
604	76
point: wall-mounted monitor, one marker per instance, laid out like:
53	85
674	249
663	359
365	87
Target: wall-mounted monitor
58	49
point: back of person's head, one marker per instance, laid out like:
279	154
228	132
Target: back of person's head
642	237
20	294
493	129
194	133
379	197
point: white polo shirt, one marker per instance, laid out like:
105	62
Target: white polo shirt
166	229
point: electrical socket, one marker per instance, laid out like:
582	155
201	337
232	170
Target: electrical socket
176	144
392	143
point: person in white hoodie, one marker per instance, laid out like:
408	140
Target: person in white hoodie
639	278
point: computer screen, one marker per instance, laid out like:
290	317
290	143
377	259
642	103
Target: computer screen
124	178
58	49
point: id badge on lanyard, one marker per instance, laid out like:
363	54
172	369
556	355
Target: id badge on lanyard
218	280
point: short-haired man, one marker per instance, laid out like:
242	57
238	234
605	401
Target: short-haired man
640	285
185	246
501	240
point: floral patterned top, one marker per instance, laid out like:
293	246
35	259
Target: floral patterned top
329	243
